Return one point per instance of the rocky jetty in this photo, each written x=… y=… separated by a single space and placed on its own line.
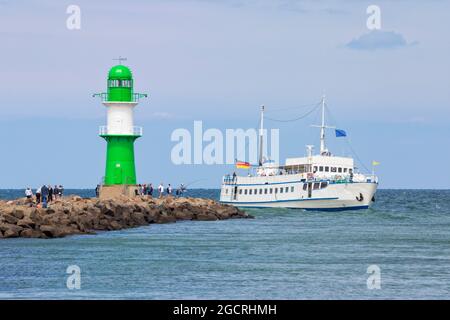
x=75 y=215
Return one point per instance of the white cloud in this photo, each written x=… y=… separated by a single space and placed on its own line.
x=376 y=39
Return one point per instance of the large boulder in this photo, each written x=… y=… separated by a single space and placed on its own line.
x=10 y=230
x=26 y=222
x=30 y=233
x=8 y=218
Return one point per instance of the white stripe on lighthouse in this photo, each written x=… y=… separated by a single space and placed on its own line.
x=119 y=117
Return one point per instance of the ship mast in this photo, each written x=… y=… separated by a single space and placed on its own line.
x=261 y=137
x=322 y=128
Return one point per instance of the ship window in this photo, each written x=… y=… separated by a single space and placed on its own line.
x=276 y=190
x=226 y=191
x=333 y=169
x=260 y=191
x=286 y=189
x=315 y=169
x=350 y=170
x=339 y=170
x=240 y=191
x=281 y=190
x=305 y=186
x=345 y=170
x=250 y=191
x=320 y=169
x=323 y=185
x=316 y=185
x=327 y=169
x=256 y=191
x=265 y=191
x=271 y=190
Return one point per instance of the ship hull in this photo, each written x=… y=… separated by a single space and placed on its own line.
x=335 y=197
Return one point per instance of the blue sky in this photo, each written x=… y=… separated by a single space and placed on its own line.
x=218 y=61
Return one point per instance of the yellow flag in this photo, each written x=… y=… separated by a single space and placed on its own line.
x=375 y=163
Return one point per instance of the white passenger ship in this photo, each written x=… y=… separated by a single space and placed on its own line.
x=314 y=182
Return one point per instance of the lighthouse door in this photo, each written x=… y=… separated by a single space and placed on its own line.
x=117 y=174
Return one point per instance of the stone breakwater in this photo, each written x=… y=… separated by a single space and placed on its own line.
x=74 y=215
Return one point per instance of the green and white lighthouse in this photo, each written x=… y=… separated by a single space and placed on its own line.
x=120 y=131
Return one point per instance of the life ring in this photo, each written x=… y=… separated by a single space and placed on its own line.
x=361 y=197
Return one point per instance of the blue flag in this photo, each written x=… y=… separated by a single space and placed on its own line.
x=340 y=133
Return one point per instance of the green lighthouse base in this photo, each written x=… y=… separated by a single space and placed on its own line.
x=120 y=167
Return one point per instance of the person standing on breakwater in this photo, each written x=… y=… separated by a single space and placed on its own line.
x=97 y=191
x=144 y=190
x=44 y=195
x=150 y=190
x=56 y=191
x=169 y=190
x=50 y=193
x=181 y=190
x=28 y=193
x=38 y=195
x=161 y=189
x=60 y=191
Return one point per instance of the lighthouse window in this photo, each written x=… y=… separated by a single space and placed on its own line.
x=321 y=169
x=327 y=169
x=339 y=170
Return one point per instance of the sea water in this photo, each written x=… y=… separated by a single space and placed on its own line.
x=281 y=254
